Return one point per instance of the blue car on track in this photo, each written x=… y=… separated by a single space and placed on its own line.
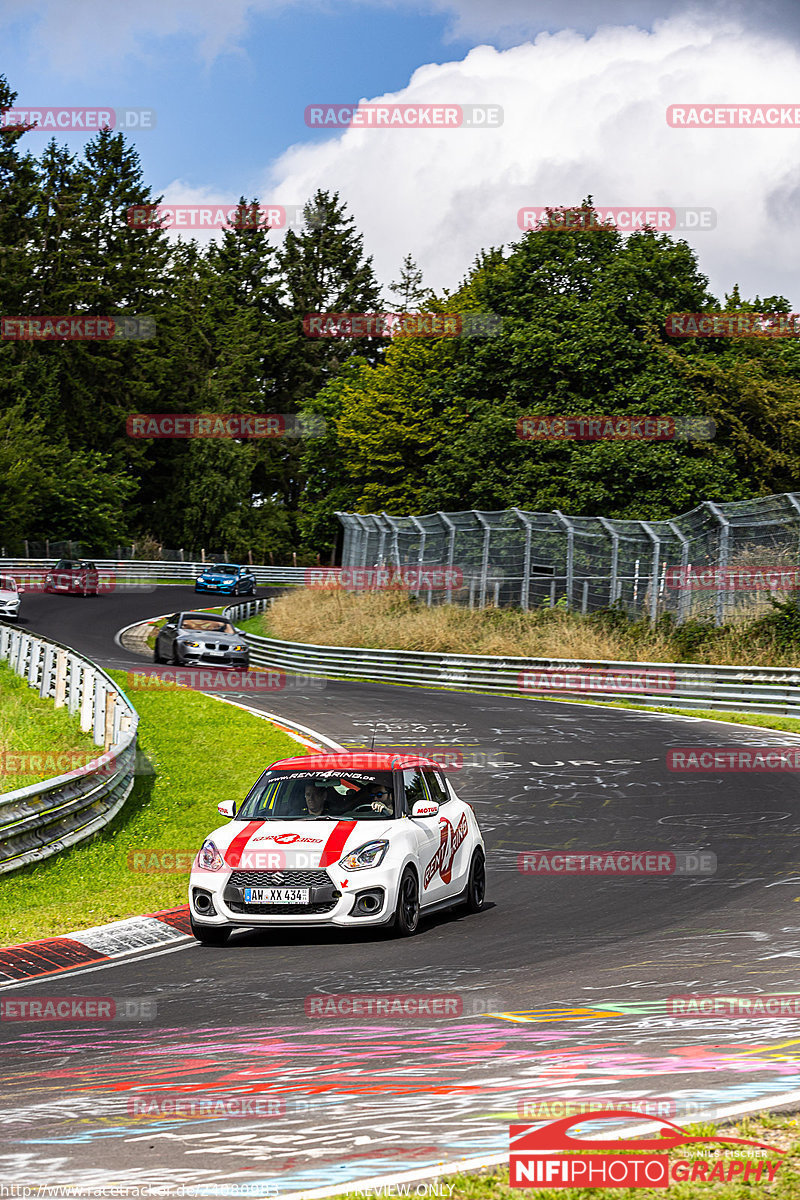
x=226 y=577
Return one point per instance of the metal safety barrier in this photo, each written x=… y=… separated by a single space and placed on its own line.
x=773 y=690
x=47 y=817
x=131 y=571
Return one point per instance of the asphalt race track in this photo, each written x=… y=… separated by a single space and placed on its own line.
x=564 y=979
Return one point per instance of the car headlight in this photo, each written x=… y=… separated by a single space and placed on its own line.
x=369 y=855
x=193 y=645
x=209 y=857
x=238 y=647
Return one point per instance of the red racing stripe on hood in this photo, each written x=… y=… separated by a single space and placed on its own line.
x=233 y=855
x=336 y=842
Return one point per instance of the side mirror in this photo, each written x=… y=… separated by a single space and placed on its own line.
x=20 y=590
x=227 y=808
x=425 y=808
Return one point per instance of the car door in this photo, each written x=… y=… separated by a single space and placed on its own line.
x=427 y=837
x=166 y=638
x=454 y=835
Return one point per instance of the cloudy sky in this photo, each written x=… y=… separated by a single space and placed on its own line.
x=584 y=86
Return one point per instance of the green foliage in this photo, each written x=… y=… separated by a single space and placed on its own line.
x=414 y=425
x=782 y=624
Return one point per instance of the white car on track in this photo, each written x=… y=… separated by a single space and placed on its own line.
x=346 y=839
x=9 y=598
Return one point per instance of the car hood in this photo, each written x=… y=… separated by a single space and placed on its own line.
x=7 y=594
x=208 y=635
x=311 y=844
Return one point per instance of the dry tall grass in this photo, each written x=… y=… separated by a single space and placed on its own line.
x=391 y=620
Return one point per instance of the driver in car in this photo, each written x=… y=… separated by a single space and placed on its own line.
x=378 y=797
x=324 y=801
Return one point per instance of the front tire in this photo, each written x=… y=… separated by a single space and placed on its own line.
x=156 y=656
x=476 y=884
x=210 y=935
x=406 y=917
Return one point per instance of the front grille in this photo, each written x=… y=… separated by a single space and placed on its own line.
x=280 y=879
x=276 y=910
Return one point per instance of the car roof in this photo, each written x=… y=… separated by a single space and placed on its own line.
x=359 y=760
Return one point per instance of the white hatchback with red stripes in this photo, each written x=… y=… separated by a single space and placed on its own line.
x=339 y=839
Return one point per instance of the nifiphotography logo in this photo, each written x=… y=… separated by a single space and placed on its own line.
x=549 y=1156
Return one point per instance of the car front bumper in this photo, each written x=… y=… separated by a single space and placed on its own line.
x=197 y=658
x=215 y=587
x=331 y=905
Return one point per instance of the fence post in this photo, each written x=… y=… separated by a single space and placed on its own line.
x=684 y=596
x=362 y=549
x=87 y=699
x=421 y=553
x=451 y=550
x=487 y=537
x=524 y=595
x=565 y=521
x=656 y=540
x=722 y=560
x=612 y=533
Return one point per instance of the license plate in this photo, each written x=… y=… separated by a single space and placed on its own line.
x=276 y=895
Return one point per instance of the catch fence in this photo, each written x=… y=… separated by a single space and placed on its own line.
x=717 y=562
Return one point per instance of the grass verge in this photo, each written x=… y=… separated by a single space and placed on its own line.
x=778 y=1130
x=31 y=726
x=396 y=620
x=202 y=751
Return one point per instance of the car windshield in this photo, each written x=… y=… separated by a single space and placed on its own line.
x=320 y=796
x=66 y=564
x=7 y=584
x=222 y=569
x=209 y=624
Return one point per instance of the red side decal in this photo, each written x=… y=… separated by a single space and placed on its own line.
x=233 y=855
x=336 y=842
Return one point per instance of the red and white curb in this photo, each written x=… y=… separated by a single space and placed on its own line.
x=86 y=947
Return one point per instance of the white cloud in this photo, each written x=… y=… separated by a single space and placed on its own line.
x=582 y=115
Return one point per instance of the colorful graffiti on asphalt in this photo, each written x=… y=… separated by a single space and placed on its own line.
x=424 y=1094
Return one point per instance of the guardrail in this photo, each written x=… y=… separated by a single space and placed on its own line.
x=773 y=690
x=42 y=819
x=133 y=569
